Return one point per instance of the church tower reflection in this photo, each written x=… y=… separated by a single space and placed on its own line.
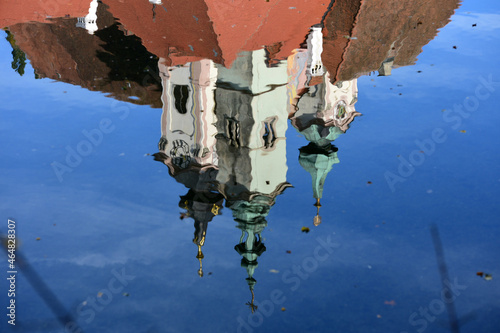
x=319 y=110
x=251 y=125
x=187 y=143
x=202 y=206
x=223 y=137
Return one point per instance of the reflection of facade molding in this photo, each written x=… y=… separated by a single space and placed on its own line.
x=89 y=22
x=327 y=104
x=314 y=99
x=188 y=134
x=251 y=124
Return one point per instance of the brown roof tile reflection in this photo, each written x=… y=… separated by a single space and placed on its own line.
x=243 y=25
x=63 y=52
x=178 y=30
x=358 y=35
x=361 y=35
x=184 y=31
x=16 y=11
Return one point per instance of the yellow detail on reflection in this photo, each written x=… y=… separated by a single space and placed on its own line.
x=317 y=218
x=251 y=304
x=202 y=241
x=200 y=256
x=215 y=209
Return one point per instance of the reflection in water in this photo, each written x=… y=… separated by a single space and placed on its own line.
x=319 y=110
x=226 y=100
x=359 y=37
x=223 y=136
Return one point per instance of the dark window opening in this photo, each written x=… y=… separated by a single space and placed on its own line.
x=233 y=131
x=269 y=135
x=181 y=95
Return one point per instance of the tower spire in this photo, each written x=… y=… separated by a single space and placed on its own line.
x=318 y=161
x=200 y=256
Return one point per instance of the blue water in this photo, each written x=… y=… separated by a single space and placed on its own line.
x=117 y=212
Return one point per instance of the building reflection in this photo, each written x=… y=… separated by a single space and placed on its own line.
x=251 y=125
x=230 y=83
x=223 y=137
x=319 y=110
x=187 y=144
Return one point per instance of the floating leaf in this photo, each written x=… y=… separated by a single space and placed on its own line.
x=480 y=274
x=38 y=238
x=463 y=131
x=283 y=309
x=305 y=229
x=288 y=251
x=488 y=277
